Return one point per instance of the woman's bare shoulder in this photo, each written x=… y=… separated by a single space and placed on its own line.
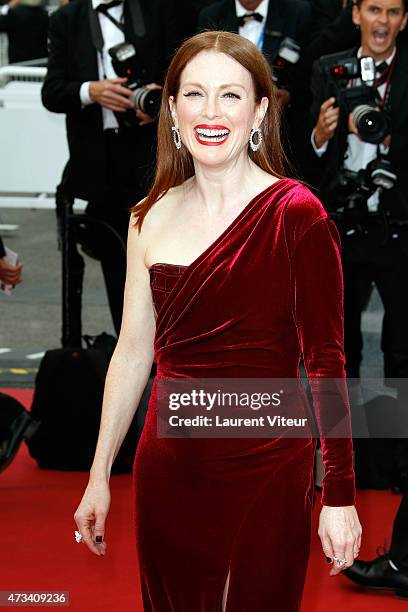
x=162 y=210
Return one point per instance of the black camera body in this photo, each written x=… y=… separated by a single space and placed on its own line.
x=353 y=189
x=287 y=57
x=126 y=64
x=372 y=123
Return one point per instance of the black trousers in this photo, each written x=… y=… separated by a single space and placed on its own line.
x=128 y=171
x=399 y=544
x=375 y=258
x=367 y=261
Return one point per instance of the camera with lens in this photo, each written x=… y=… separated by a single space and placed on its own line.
x=353 y=189
x=287 y=56
x=126 y=64
x=372 y=123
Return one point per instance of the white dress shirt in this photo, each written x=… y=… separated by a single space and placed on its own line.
x=112 y=36
x=252 y=30
x=359 y=153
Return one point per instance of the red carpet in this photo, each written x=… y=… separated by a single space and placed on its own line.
x=38 y=549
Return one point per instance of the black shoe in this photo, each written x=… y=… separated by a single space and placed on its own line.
x=378 y=574
x=16 y=425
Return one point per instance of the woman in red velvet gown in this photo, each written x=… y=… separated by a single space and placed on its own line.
x=233 y=272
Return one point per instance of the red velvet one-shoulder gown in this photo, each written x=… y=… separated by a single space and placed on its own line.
x=265 y=294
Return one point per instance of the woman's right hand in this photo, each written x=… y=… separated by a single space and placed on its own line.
x=91 y=514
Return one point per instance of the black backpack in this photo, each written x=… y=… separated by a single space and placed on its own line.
x=67 y=402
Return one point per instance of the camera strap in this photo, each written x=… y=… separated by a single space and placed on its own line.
x=385 y=78
x=102 y=8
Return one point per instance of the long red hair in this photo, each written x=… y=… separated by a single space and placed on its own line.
x=173 y=166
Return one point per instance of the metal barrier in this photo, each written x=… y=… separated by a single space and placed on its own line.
x=28 y=72
x=3 y=49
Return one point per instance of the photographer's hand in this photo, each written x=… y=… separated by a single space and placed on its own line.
x=326 y=123
x=145 y=119
x=11 y=275
x=111 y=94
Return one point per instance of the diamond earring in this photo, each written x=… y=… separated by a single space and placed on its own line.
x=255 y=145
x=176 y=137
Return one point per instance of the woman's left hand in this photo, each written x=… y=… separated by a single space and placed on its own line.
x=340 y=533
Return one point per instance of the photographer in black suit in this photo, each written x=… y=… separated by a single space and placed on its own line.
x=355 y=151
x=111 y=142
x=25 y=22
x=266 y=23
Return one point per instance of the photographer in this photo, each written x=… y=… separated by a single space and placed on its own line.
x=103 y=87
x=268 y=25
x=25 y=22
x=372 y=221
x=360 y=112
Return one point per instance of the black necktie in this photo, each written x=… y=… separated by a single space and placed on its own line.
x=105 y=6
x=381 y=67
x=243 y=19
x=382 y=72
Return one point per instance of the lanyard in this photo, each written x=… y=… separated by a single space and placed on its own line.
x=385 y=98
x=261 y=38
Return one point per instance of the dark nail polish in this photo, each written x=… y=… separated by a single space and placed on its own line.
x=99 y=539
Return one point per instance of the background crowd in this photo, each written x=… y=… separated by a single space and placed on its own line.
x=354 y=161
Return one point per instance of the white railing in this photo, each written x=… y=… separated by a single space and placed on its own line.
x=33 y=146
x=15 y=72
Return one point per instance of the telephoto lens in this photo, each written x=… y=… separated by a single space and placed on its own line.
x=372 y=124
x=147 y=100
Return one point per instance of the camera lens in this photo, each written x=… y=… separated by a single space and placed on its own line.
x=147 y=100
x=371 y=124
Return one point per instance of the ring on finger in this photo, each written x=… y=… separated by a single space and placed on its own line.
x=339 y=562
x=78 y=537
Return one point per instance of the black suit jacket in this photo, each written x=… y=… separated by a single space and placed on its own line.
x=187 y=15
x=26 y=27
x=284 y=18
x=150 y=26
x=396 y=199
x=322 y=14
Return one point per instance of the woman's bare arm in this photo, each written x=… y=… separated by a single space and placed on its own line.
x=131 y=362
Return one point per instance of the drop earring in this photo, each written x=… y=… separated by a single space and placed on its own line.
x=255 y=145
x=176 y=137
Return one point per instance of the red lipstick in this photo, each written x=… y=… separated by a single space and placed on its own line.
x=211 y=135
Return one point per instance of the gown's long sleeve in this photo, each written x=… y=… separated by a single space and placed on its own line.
x=317 y=286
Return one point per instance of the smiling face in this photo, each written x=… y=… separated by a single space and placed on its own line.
x=380 y=22
x=215 y=108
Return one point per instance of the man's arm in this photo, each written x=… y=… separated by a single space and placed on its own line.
x=324 y=115
x=59 y=94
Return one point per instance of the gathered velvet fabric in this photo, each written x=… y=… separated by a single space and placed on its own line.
x=264 y=295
